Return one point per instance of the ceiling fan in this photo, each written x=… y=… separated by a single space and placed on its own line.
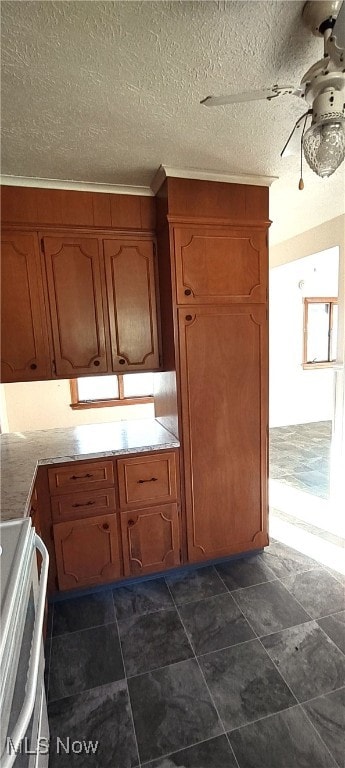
x=322 y=88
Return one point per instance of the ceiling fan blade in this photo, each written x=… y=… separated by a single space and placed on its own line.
x=293 y=144
x=339 y=27
x=264 y=93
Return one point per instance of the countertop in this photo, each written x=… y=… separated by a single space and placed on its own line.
x=23 y=452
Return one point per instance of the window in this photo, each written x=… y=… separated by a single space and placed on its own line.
x=320 y=332
x=105 y=391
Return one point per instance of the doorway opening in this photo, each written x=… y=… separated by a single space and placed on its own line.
x=303 y=511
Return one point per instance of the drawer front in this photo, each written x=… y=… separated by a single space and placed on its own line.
x=147 y=479
x=69 y=506
x=81 y=476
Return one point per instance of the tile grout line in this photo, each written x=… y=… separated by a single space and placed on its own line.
x=279 y=673
x=319 y=696
x=84 y=629
x=299 y=703
x=181 y=749
x=330 y=639
x=202 y=674
x=126 y=680
x=311 y=618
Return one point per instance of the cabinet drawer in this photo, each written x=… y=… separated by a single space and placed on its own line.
x=83 y=504
x=81 y=476
x=147 y=479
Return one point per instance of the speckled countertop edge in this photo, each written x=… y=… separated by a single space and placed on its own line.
x=23 y=453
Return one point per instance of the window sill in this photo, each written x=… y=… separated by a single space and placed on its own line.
x=110 y=403
x=312 y=366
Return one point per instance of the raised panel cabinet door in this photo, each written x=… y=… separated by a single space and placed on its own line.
x=223 y=358
x=130 y=279
x=87 y=551
x=76 y=305
x=150 y=539
x=24 y=343
x=218 y=265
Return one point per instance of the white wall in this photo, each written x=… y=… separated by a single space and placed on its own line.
x=296 y=395
x=46 y=404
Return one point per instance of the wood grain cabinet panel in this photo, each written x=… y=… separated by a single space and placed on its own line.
x=80 y=476
x=76 y=303
x=24 y=342
x=68 y=506
x=130 y=280
x=219 y=265
x=223 y=357
x=150 y=539
x=87 y=551
x=147 y=479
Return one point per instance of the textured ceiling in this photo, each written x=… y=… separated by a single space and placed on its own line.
x=107 y=91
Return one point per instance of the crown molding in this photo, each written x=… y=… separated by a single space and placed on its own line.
x=192 y=173
x=77 y=186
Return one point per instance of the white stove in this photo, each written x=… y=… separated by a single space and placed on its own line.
x=24 y=733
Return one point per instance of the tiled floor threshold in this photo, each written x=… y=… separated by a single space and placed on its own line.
x=300 y=456
x=241 y=665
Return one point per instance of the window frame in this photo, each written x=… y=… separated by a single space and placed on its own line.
x=79 y=405
x=332 y=301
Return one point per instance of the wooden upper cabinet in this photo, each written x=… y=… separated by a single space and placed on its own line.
x=130 y=281
x=76 y=299
x=223 y=362
x=219 y=265
x=24 y=343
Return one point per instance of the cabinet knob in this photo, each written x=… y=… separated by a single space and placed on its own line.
x=96 y=362
x=130 y=523
x=122 y=361
x=187 y=292
x=106 y=526
x=189 y=317
x=33 y=366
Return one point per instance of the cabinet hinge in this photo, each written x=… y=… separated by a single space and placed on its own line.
x=154 y=249
x=53 y=366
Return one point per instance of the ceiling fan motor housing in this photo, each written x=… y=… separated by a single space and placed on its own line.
x=328 y=106
x=319 y=15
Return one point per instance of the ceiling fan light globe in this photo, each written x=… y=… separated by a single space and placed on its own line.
x=324 y=147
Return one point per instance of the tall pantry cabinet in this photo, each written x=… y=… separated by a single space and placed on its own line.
x=212 y=245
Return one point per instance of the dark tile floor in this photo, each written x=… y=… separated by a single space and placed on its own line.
x=236 y=666
x=299 y=456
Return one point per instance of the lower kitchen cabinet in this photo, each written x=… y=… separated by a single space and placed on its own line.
x=150 y=539
x=87 y=551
